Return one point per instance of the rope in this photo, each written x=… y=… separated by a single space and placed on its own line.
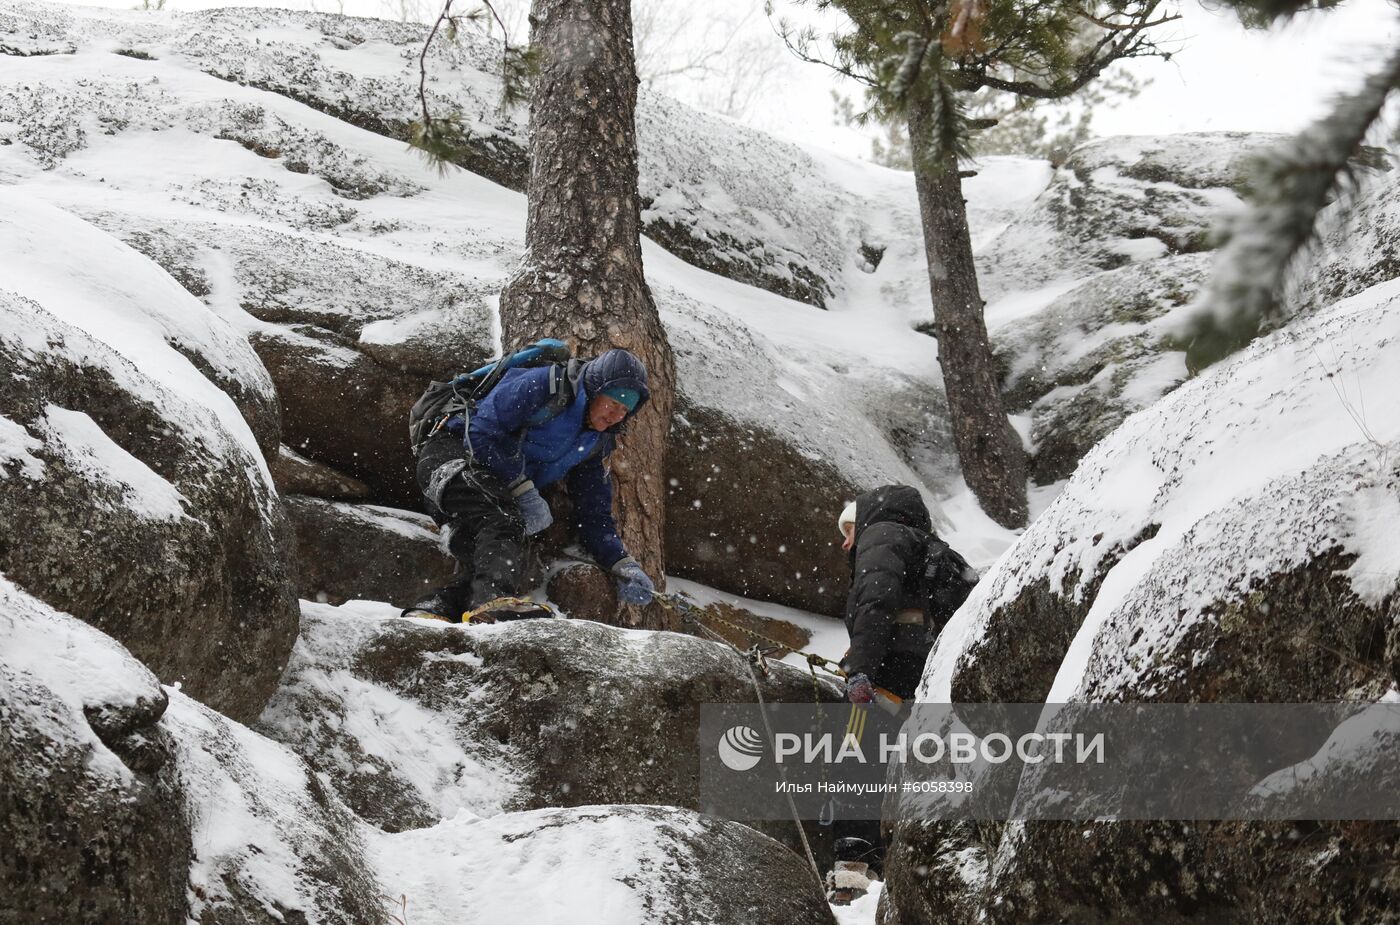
x=755 y=656
x=773 y=739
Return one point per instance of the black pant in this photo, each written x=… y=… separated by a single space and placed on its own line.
x=899 y=674
x=486 y=534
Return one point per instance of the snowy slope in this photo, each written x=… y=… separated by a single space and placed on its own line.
x=339 y=242
x=115 y=296
x=720 y=194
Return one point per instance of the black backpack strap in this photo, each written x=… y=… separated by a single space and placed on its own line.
x=562 y=390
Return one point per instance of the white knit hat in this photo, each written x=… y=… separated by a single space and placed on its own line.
x=848 y=516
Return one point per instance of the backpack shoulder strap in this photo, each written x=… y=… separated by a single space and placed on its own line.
x=561 y=395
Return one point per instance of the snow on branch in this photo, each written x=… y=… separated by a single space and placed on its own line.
x=1290 y=186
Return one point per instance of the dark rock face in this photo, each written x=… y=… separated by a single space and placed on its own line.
x=933 y=868
x=80 y=846
x=585 y=592
x=721 y=530
x=1300 y=636
x=734 y=860
x=1016 y=658
x=342 y=408
x=365 y=552
x=296 y=475
x=197 y=586
x=89 y=810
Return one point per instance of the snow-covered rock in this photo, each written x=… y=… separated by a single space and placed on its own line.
x=123 y=801
x=1233 y=542
x=613 y=865
x=1358 y=248
x=91 y=831
x=270 y=843
x=133 y=491
x=1086 y=285
x=1095 y=355
x=364 y=551
x=1179 y=532
x=411 y=719
x=1118 y=201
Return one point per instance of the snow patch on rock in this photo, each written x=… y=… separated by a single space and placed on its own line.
x=17 y=448
x=86 y=670
x=91 y=453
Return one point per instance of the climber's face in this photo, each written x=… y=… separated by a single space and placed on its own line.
x=605 y=412
x=849 y=529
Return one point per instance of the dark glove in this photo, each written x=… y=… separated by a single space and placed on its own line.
x=633 y=585
x=859 y=689
x=535 y=510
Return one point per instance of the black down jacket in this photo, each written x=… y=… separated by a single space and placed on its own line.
x=893 y=530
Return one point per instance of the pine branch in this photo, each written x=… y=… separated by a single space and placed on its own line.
x=1124 y=26
x=799 y=43
x=441 y=138
x=1291 y=185
x=433 y=137
x=1259 y=13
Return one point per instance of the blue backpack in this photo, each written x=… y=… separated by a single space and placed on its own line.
x=442 y=400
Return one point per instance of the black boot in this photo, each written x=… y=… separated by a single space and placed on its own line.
x=444 y=606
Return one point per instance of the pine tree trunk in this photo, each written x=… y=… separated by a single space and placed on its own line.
x=993 y=459
x=582 y=279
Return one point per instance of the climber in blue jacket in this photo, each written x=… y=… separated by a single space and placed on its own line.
x=482 y=473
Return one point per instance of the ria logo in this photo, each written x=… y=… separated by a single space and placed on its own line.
x=740 y=748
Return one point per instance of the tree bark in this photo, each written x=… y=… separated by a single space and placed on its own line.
x=582 y=278
x=993 y=459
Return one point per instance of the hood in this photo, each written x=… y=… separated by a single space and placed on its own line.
x=900 y=504
x=617 y=368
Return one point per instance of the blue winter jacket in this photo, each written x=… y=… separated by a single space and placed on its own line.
x=512 y=434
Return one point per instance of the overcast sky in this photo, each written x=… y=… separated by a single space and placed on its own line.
x=1221 y=77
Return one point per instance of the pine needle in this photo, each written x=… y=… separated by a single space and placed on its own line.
x=1291 y=184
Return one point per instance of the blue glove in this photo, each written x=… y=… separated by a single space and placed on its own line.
x=859 y=689
x=535 y=510
x=633 y=585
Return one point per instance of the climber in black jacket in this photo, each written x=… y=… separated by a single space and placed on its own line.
x=888 y=533
x=889 y=538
